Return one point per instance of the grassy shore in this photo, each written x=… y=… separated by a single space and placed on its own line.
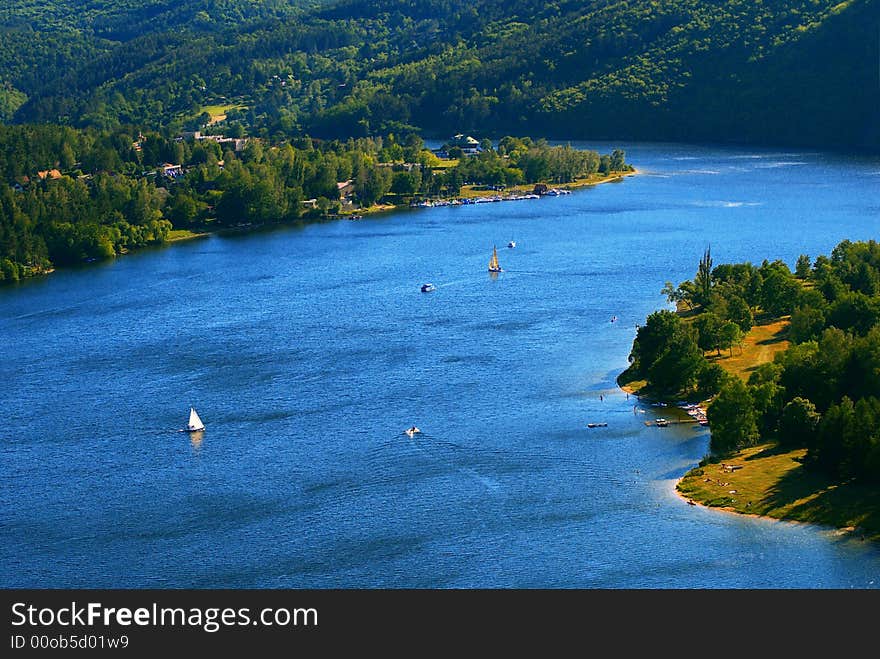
x=176 y=235
x=767 y=481
x=770 y=481
x=474 y=191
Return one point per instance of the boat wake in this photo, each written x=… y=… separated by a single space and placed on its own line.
x=488 y=483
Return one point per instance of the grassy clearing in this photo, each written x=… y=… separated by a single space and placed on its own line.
x=219 y=111
x=445 y=163
x=760 y=346
x=772 y=482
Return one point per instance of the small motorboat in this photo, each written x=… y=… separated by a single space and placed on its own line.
x=427 y=288
x=412 y=431
x=661 y=422
x=511 y=244
x=597 y=425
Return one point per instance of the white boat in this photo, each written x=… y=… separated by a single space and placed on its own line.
x=493 y=262
x=412 y=431
x=427 y=288
x=511 y=244
x=195 y=423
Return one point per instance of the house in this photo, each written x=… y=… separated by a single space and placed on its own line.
x=237 y=144
x=172 y=171
x=346 y=188
x=470 y=146
x=400 y=166
x=49 y=175
x=310 y=203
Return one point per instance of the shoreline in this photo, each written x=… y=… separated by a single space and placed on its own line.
x=839 y=531
x=184 y=235
x=770 y=481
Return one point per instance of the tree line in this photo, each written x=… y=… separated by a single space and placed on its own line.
x=68 y=195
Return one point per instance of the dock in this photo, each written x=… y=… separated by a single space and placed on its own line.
x=672 y=421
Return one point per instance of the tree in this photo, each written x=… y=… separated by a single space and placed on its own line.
x=709 y=331
x=680 y=361
x=675 y=295
x=372 y=184
x=732 y=418
x=798 y=422
x=710 y=379
x=827 y=453
x=651 y=338
x=405 y=183
x=855 y=311
x=806 y=324
x=739 y=312
x=779 y=292
x=703 y=280
x=802 y=267
x=768 y=396
x=729 y=335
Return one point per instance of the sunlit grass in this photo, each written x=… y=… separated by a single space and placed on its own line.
x=773 y=482
x=761 y=344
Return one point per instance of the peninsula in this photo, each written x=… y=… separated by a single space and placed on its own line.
x=787 y=364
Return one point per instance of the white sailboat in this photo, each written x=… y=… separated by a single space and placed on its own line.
x=195 y=423
x=493 y=263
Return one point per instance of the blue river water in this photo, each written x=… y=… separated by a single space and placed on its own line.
x=308 y=351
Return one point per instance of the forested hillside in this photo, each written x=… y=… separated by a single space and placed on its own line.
x=790 y=71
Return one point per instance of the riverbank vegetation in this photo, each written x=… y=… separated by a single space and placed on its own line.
x=808 y=396
x=69 y=195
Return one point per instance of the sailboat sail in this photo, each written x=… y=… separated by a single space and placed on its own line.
x=493 y=262
x=195 y=423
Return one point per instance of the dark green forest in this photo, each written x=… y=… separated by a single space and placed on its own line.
x=820 y=393
x=790 y=71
